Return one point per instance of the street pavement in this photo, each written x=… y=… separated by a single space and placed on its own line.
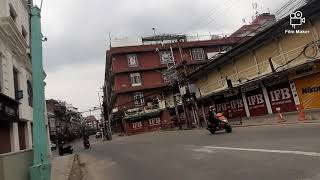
x=284 y=151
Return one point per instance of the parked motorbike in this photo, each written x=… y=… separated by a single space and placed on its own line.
x=86 y=144
x=65 y=150
x=223 y=122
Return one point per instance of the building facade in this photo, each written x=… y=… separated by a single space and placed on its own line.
x=138 y=92
x=277 y=70
x=15 y=77
x=64 y=120
x=91 y=122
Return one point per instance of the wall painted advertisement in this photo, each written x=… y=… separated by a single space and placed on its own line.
x=308 y=89
x=231 y=106
x=280 y=95
x=256 y=102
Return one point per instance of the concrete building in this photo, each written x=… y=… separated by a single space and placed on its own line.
x=15 y=77
x=275 y=70
x=64 y=120
x=91 y=122
x=137 y=94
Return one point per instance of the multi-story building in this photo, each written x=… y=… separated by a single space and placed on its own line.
x=136 y=77
x=92 y=122
x=64 y=120
x=15 y=77
x=275 y=71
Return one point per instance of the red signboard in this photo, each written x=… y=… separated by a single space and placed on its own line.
x=256 y=102
x=280 y=95
x=231 y=106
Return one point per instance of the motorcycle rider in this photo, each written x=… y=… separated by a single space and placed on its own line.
x=212 y=117
x=85 y=139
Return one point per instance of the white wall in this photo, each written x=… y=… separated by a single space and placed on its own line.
x=20 y=6
x=4 y=8
x=9 y=61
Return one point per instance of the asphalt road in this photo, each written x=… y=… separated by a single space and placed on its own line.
x=286 y=152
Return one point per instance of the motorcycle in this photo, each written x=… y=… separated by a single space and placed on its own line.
x=223 y=122
x=86 y=144
x=64 y=150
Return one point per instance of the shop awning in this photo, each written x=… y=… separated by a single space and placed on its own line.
x=141 y=116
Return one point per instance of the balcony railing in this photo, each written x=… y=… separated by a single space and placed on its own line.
x=285 y=61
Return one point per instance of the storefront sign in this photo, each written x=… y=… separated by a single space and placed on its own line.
x=256 y=102
x=280 y=96
x=154 y=121
x=231 y=106
x=305 y=71
x=308 y=88
x=137 y=125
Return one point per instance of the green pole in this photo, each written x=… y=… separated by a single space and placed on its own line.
x=41 y=169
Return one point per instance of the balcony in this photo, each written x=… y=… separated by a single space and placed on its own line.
x=283 y=62
x=129 y=88
x=138 y=68
x=14 y=37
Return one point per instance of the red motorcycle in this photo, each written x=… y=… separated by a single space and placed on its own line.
x=223 y=123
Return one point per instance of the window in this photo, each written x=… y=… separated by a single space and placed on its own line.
x=137 y=125
x=135 y=79
x=24 y=33
x=165 y=56
x=13 y=13
x=132 y=60
x=30 y=93
x=138 y=99
x=16 y=81
x=198 y=54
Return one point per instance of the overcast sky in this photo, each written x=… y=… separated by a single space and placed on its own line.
x=77 y=32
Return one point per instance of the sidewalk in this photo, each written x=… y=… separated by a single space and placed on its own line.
x=290 y=118
x=61 y=167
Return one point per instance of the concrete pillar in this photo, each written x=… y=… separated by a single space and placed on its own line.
x=245 y=104
x=48 y=137
x=28 y=135
x=14 y=137
x=266 y=98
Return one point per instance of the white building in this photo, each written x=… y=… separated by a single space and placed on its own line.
x=15 y=77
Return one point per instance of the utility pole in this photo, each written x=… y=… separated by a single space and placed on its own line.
x=41 y=169
x=102 y=118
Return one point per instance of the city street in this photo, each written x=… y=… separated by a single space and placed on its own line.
x=266 y=152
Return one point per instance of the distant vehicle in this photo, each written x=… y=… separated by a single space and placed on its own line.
x=64 y=150
x=98 y=135
x=53 y=146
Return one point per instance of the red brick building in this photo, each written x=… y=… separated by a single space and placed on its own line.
x=135 y=79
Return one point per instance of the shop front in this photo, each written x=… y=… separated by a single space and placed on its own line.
x=308 y=90
x=280 y=96
x=8 y=115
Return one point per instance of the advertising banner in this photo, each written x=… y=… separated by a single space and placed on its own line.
x=308 y=88
x=256 y=102
x=230 y=106
x=280 y=95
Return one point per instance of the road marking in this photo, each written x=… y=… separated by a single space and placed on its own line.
x=266 y=150
x=206 y=150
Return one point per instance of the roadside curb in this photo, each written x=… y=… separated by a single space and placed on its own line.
x=270 y=124
x=61 y=170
